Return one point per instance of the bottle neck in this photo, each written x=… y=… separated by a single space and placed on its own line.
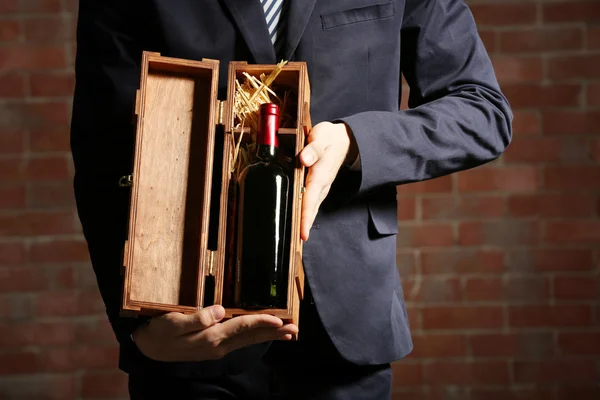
x=266 y=152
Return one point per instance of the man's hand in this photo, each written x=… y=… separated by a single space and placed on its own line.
x=200 y=336
x=329 y=146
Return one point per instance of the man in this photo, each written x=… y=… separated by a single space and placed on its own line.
x=354 y=321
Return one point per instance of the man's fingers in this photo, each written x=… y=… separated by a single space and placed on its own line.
x=245 y=323
x=200 y=320
x=259 y=335
x=318 y=183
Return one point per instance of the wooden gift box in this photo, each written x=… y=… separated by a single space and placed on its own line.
x=174 y=258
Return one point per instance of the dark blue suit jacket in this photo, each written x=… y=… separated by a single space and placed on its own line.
x=356 y=51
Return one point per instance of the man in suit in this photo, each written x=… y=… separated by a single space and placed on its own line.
x=354 y=321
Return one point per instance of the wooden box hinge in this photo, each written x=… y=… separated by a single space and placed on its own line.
x=221 y=107
x=210 y=261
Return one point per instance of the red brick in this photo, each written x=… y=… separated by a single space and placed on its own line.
x=18 y=362
x=47 y=387
x=438 y=346
x=508 y=289
x=574 y=67
x=512 y=345
x=504 y=14
x=32 y=57
x=579 y=343
x=593 y=37
x=563 y=315
x=461 y=261
x=56 y=304
x=542 y=96
x=477 y=289
x=555 y=371
x=12 y=197
x=21 y=280
x=56 y=360
x=593 y=94
x=571 y=122
x=89 y=302
x=12 y=254
x=541 y=40
x=399 y=393
x=518 y=69
x=97 y=331
x=36 y=334
x=9 y=30
x=52 y=84
x=51 y=195
x=15 y=306
x=37 y=223
x=503 y=233
x=425 y=235
x=407 y=208
x=561 y=260
x=461 y=317
x=59 y=251
x=512 y=394
x=11 y=142
x=52 y=168
x=505 y=179
x=467 y=373
x=552 y=205
x=104 y=384
x=414 y=316
x=49 y=140
x=12 y=86
x=71 y=6
x=589 y=392
x=526 y=123
x=551 y=260
x=571 y=11
x=576 y=287
x=489 y=39
x=30 y=6
x=437 y=185
x=571 y=178
x=450 y=207
x=406 y=262
x=580 y=232
x=64 y=277
x=432 y=289
x=35 y=115
x=96 y=357
x=407 y=374
x=54 y=28
x=547 y=150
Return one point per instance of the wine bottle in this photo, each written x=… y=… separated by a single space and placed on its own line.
x=262 y=220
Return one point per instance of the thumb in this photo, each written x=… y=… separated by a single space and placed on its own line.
x=309 y=155
x=202 y=319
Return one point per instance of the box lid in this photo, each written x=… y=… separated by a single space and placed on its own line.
x=177 y=113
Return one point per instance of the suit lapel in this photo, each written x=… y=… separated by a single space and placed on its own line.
x=250 y=19
x=297 y=19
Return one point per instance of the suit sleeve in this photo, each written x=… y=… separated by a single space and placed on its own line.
x=457 y=118
x=107 y=75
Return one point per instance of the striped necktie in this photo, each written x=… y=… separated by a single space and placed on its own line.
x=273 y=13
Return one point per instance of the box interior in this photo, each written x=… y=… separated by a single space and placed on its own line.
x=288 y=79
x=169 y=247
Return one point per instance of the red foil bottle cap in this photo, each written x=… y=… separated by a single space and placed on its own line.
x=268 y=125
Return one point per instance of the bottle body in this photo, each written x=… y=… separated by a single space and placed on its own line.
x=262 y=222
x=262 y=213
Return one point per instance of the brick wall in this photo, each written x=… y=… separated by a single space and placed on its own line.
x=500 y=263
